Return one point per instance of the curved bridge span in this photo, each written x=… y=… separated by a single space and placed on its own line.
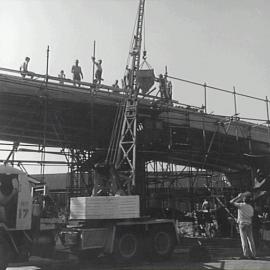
x=51 y=114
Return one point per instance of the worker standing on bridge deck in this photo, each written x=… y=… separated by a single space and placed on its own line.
x=24 y=68
x=77 y=73
x=165 y=88
x=162 y=85
x=61 y=77
x=244 y=220
x=169 y=90
x=98 y=73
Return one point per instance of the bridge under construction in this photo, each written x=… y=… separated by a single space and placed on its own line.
x=139 y=163
x=42 y=112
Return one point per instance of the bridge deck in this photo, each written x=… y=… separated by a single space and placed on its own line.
x=67 y=116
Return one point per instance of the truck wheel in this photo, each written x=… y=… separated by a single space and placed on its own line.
x=127 y=247
x=161 y=243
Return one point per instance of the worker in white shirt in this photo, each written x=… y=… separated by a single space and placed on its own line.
x=98 y=73
x=24 y=68
x=244 y=220
x=77 y=73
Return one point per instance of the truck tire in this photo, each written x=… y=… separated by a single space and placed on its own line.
x=127 y=247
x=161 y=243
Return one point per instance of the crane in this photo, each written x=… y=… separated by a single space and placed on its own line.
x=114 y=224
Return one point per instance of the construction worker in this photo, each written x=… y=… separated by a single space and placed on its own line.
x=244 y=220
x=77 y=73
x=162 y=85
x=169 y=90
x=165 y=88
x=24 y=68
x=62 y=77
x=98 y=73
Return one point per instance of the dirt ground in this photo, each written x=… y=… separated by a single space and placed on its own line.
x=226 y=258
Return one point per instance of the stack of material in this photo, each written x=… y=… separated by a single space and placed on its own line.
x=105 y=207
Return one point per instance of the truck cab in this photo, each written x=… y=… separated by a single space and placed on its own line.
x=22 y=230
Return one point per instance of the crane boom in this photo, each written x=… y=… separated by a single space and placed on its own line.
x=126 y=157
x=137 y=43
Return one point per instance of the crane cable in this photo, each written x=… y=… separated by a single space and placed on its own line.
x=113 y=137
x=114 y=141
x=144 y=51
x=144 y=48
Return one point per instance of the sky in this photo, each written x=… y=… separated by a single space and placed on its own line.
x=224 y=43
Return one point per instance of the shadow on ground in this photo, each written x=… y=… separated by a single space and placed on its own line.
x=226 y=258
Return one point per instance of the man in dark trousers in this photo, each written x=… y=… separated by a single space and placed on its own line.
x=244 y=220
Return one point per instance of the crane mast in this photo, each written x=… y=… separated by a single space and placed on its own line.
x=126 y=157
x=137 y=42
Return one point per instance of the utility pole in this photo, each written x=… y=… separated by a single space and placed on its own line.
x=47 y=65
x=94 y=57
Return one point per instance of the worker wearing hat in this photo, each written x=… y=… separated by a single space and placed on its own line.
x=244 y=220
